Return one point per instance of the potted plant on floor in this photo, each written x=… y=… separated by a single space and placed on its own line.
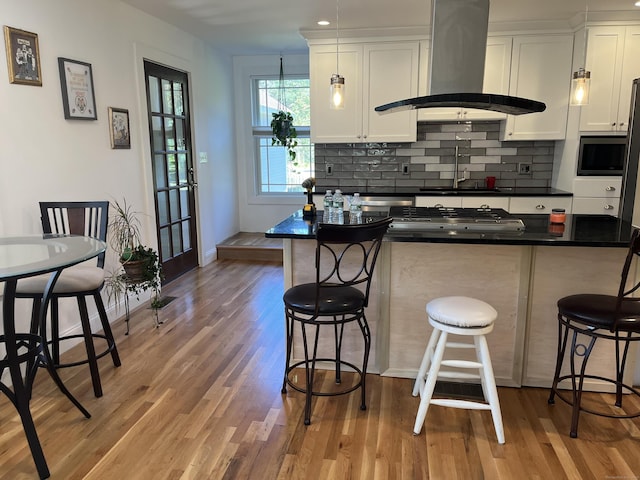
x=139 y=268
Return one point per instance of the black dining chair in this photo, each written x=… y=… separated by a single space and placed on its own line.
x=345 y=258
x=79 y=282
x=585 y=318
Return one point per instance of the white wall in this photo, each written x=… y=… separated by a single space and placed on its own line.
x=45 y=157
x=259 y=212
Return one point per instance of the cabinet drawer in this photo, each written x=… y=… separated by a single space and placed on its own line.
x=593 y=206
x=538 y=204
x=489 y=201
x=597 y=187
x=444 y=201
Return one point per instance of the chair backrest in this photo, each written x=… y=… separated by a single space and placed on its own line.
x=626 y=289
x=346 y=254
x=76 y=218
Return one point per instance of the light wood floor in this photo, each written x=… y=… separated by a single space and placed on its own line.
x=199 y=398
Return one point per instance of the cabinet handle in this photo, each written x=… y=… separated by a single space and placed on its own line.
x=485 y=205
x=510 y=133
x=540 y=207
x=610 y=189
x=613 y=124
x=438 y=205
x=622 y=124
x=608 y=207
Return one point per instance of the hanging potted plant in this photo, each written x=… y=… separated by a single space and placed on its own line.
x=140 y=268
x=284 y=133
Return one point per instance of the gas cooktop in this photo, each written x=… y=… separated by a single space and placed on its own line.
x=454 y=219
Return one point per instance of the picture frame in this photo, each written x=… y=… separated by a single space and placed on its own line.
x=119 y=130
x=78 y=94
x=23 y=56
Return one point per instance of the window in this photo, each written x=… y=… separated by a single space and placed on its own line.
x=276 y=173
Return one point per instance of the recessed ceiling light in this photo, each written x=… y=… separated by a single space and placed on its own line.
x=637 y=4
x=324 y=23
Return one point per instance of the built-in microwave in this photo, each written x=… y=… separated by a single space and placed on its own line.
x=601 y=155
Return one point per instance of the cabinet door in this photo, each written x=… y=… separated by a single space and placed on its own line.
x=630 y=71
x=335 y=126
x=604 y=61
x=540 y=69
x=496 y=80
x=390 y=74
x=596 y=206
x=497 y=70
x=439 y=201
x=538 y=204
x=488 y=201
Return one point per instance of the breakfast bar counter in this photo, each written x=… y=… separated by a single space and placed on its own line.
x=522 y=274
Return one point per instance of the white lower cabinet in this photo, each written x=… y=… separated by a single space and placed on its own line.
x=439 y=201
x=599 y=195
x=486 y=202
x=539 y=204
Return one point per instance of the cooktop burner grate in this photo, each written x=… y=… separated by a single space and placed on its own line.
x=456 y=219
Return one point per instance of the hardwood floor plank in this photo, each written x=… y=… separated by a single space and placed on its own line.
x=199 y=398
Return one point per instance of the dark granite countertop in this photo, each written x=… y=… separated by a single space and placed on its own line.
x=499 y=192
x=578 y=230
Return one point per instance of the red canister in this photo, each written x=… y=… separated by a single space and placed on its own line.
x=557 y=215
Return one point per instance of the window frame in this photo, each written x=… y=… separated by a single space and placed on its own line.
x=246 y=69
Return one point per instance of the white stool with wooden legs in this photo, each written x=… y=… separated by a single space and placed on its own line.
x=462 y=316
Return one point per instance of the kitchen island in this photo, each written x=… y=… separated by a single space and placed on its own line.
x=522 y=274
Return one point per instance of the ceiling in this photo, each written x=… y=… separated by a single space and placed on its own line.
x=261 y=26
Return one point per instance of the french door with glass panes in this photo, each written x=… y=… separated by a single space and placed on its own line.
x=173 y=174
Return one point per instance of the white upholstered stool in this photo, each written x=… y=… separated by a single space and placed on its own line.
x=459 y=316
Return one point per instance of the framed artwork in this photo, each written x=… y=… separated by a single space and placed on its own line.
x=78 y=97
x=119 y=128
x=23 y=57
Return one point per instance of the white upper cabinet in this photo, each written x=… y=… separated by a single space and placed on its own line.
x=612 y=59
x=375 y=74
x=540 y=70
x=496 y=80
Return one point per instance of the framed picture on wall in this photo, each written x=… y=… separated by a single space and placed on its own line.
x=119 y=128
x=23 y=56
x=78 y=97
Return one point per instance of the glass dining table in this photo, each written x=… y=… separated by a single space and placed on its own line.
x=27 y=256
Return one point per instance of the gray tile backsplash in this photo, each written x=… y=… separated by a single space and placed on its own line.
x=371 y=167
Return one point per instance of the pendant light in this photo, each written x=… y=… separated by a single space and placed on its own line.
x=337 y=81
x=581 y=80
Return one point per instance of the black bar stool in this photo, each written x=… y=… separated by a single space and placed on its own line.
x=589 y=317
x=344 y=261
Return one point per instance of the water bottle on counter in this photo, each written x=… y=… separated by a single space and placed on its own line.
x=355 y=209
x=327 y=207
x=337 y=214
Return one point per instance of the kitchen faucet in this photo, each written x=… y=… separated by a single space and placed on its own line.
x=465 y=173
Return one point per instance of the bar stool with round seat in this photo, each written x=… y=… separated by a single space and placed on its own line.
x=589 y=317
x=462 y=316
x=344 y=263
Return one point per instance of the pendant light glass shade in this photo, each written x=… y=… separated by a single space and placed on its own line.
x=580 y=84
x=337 y=92
x=581 y=80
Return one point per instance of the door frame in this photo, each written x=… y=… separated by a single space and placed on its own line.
x=142 y=53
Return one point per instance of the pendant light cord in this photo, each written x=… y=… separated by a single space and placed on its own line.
x=337 y=37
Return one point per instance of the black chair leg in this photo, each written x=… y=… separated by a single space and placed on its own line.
x=563 y=335
x=88 y=342
x=289 y=340
x=104 y=320
x=366 y=333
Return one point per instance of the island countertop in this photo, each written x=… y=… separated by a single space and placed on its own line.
x=577 y=231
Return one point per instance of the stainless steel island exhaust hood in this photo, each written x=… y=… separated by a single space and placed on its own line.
x=458 y=49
